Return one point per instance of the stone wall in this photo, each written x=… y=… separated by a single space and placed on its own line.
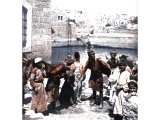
x=41 y=29
x=61 y=27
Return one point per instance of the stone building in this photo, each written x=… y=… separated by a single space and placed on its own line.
x=69 y=23
x=63 y=25
x=36 y=28
x=115 y=21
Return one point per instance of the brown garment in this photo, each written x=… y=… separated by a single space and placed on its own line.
x=52 y=87
x=38 y=98
x=52 y=95
x=97 y=68
x=38 y=103
x=96 y=85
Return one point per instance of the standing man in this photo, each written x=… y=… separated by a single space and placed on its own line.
x=38 y=103
x=77 y=70
x=129 y=63
x=113 y=62
x=97 y=67
x=121 y=90
x=67 y=91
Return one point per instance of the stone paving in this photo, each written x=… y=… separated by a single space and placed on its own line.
x=80 y=112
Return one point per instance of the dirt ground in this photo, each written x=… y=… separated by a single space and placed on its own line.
x=82 y=111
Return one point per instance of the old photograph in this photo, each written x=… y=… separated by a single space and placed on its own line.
x=80 y=59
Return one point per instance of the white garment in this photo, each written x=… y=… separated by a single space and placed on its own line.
x=114 y=75
x=134 y=99
x=77 y=67
x=38 y=73
x=123 y=80
x=78 y=81
x=119 y=103
x=113 y=79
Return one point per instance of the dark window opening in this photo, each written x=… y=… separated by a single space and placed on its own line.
x=24 y=26
x=60 y=17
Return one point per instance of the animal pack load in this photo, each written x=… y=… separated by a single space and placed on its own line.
x=104 y=67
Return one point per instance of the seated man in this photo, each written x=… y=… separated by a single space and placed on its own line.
x=130 y=106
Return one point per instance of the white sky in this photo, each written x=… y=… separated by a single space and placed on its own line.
x=129 y=7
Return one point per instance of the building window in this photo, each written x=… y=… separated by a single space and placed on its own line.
x=60 y=17
x=24 y=26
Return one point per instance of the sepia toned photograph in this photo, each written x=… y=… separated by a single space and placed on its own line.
x=80 y=59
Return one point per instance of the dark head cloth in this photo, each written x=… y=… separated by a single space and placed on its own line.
x=69 y=59
x=76 y=54
x=91 y=52
x=123 y=57
x=133 y=82
x=113 y=52
x=122 y=64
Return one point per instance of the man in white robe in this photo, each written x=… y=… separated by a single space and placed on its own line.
x=121 y=89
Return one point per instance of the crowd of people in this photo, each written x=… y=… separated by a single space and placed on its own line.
x=123 y=82
x=122 y=75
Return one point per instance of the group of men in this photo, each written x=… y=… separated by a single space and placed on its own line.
x=122 y=76
x=123 y=83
